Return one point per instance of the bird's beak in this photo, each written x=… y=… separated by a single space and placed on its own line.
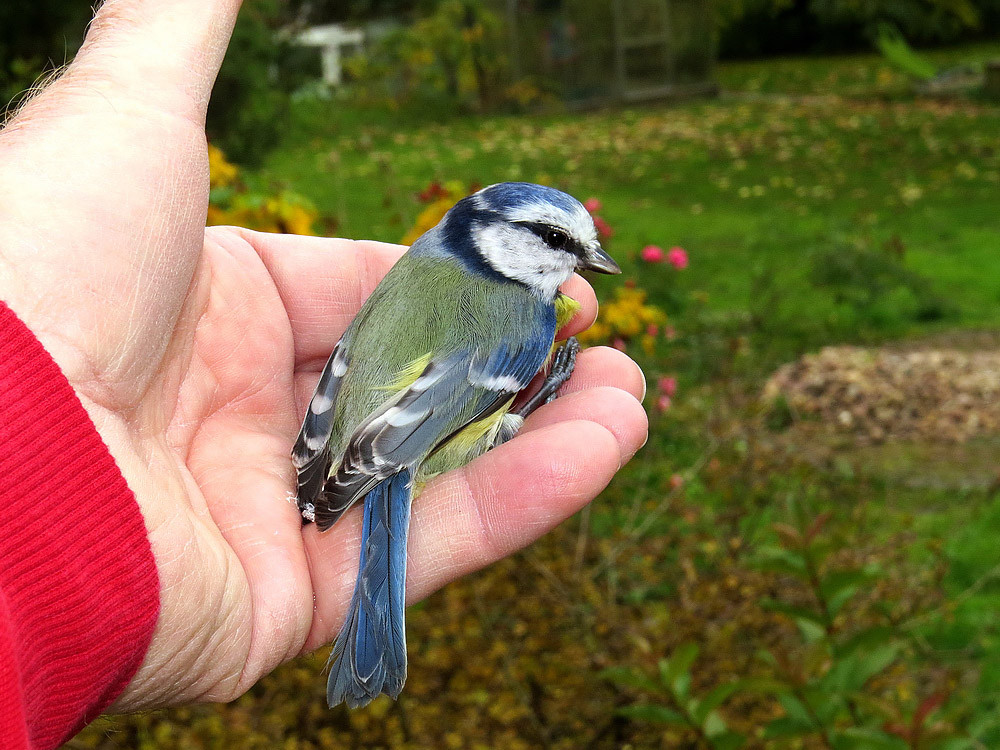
x=598 y=260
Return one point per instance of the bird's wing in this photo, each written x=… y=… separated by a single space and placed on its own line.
x=451 y=392
x=311 y=454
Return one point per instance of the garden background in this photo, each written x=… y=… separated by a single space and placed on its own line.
x=805 y=553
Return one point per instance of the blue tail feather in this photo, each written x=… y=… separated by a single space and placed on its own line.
x=369 y=655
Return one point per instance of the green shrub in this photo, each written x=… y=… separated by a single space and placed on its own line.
x=250 y=107
x=450 y=59
x=769 y=27
x=876 y=287
x=35 y=38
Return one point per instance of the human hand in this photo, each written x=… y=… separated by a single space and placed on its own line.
x=195 y=351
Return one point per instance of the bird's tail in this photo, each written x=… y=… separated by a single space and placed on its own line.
x=369 y=655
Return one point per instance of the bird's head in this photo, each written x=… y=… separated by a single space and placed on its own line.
x=528 y=233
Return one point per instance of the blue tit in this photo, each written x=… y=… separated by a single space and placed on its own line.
x=423 y=381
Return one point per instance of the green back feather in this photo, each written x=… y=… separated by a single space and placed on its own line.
x=423 y=308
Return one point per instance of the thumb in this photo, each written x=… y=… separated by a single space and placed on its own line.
x=165 y=53
x=105 y=181
x=151 y=56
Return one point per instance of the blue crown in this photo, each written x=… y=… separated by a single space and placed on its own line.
x=507 y=195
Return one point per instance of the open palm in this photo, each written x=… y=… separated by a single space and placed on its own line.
x=194 y=351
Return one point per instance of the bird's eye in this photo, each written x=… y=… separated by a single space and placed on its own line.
x=556 y=239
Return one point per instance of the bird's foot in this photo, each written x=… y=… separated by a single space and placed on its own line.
x=562 y=367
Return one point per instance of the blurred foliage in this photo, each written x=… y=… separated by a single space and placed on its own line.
x=326 y=11
x=834 y=682
x=678 y=708
x=36 y=38
x=751 y=28
x=250 y=106
x=861 y=292
x=450 y=59
x=232 y=202
x=897 y=51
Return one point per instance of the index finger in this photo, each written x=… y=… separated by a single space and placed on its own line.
x=323 y=282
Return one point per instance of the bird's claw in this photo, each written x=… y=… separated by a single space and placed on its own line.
x=563 y=364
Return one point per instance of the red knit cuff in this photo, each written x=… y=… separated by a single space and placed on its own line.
x=79 y=593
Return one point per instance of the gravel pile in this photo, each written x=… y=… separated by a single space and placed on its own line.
x=878 y=394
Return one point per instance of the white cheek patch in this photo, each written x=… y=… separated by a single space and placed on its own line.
x=520 y=255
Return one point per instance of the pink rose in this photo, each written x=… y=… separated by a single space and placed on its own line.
x=603 y=228
x=668 y=385
x=677 y=257
x=663 y=402
x=592 y=205
x=652 y=254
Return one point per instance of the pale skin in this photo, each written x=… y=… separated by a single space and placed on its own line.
x=195 y=351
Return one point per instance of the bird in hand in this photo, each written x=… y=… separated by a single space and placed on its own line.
x=434 y=371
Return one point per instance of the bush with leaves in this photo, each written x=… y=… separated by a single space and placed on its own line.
x=835 y=688
x=676 y=705
x=452 y=58
x=232 y=202
x=770 y=27
x=36 y=38
x=250 y=107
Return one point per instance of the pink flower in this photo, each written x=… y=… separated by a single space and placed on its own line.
x=652 y=254
x=592 y=205
x=663 y=402
x=676 y=481
x=677 y=257
x=603 y=228
x=668 y=385
x=669 y=333
x=652 y=329
x=619 y=344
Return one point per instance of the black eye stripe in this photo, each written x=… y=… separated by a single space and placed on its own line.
x=546 y=232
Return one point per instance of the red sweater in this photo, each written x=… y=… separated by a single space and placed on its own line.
x=79 y=594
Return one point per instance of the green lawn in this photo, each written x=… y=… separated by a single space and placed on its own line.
x=854 y=588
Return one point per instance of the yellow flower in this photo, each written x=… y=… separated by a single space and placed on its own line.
x=427 y=219
x=454 y=191
x=222 y=173
x=290 y=214
x=626 y=316
x=299 y=220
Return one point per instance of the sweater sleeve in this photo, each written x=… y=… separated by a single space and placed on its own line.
x=79 y=593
